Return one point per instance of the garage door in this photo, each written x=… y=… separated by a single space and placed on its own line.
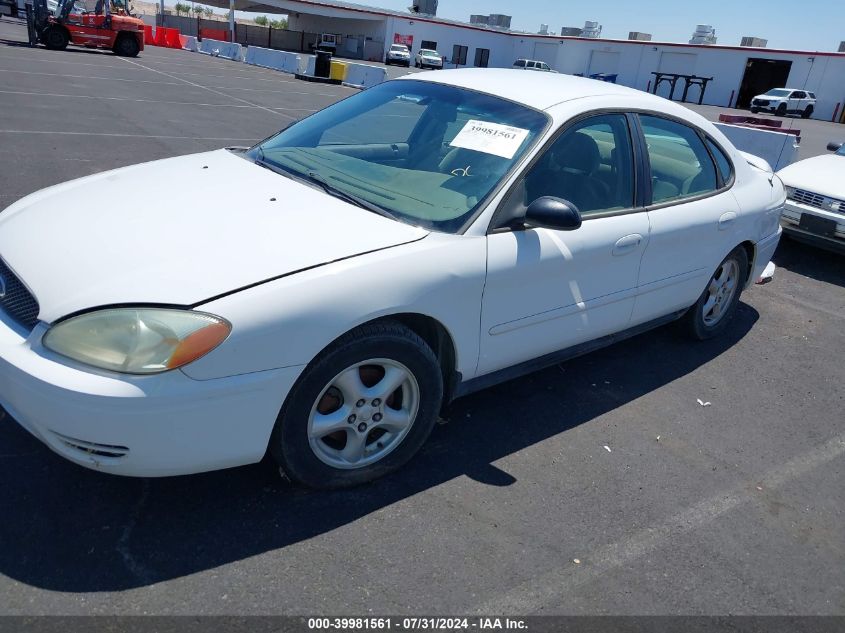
x=546 y=53
x=604 y=62
x=678 y=63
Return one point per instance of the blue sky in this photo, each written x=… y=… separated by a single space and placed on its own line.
x=786 y=24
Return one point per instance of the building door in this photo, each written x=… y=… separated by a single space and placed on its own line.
x=761 y=75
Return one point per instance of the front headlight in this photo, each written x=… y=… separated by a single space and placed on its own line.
x=790 y=192
x=138 y=340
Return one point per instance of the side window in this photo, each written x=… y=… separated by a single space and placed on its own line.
x=520 y=63
x=544 y=66
x=798 y=94
x=812 y=95
x=722 y=161
x=591 y=165
x=680 y=164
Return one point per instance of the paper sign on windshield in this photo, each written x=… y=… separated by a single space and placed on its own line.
x=490 y=138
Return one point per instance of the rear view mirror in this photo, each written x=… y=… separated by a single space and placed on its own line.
x=833 y=146
x=553 y=213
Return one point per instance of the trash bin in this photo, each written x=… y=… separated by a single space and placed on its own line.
x=322 y=64
x=339 y=70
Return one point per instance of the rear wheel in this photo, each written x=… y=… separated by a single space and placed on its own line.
x=56 y=38
x=361 y=409
x=717 y=304
x=126 y=46
x=807 y=113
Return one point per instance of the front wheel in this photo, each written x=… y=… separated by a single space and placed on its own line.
x=56 y=39
x=126 y=46
x=754 y=110
x=717 y=304
x=781 y=110
x=360 y=410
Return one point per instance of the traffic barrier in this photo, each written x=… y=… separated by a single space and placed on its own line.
x=269 y=58
x=338 y=71
x=188 y=42
x=171 y=38
x=227 y=50
x=160 y=36
x=149 y=38
x=776 y=147
x=363 y=76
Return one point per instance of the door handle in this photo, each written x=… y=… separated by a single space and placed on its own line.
x=726 y=220
x=627 y=244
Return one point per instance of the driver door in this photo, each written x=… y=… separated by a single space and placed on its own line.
x=548 y=289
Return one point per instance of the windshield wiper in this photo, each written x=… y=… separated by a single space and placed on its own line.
x=330 y=189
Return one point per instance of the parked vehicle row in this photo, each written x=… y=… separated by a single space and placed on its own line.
x=410 y=244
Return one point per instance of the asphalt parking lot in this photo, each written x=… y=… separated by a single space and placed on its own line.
x=671 y=507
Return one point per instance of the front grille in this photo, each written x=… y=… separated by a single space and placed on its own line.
x=809 y=198
x=16 y=300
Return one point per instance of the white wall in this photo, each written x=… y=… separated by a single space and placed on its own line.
x=345 y=27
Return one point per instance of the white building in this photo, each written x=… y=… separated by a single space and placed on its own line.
x=738 y=73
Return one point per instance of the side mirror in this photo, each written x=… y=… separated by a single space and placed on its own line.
x=553 y=213
x=833 y=146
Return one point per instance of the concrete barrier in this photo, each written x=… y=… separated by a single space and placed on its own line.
x=776 y=148
x=217 y=48
x=269 y=58
x=188 y=42
x=363 y=76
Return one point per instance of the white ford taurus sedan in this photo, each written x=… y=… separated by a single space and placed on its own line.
x=321 y=295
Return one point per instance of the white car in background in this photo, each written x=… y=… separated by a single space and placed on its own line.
x=532 y=64
x=783 y=101
x=323 y=294
x=427 y=58
x=815 y=199
x=398 y=54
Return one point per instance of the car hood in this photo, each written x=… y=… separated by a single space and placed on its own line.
x=821 y=174
x=179 y=231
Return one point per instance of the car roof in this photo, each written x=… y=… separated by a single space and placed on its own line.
x=537 y=90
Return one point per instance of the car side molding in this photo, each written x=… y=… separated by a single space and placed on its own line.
x=516 y=371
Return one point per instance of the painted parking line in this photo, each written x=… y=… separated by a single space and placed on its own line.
x=98 y=97
x=548 y=588
x=40 y=74
x=139 y=136
x=212 y=90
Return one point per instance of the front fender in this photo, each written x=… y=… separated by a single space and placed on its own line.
x=288 y=321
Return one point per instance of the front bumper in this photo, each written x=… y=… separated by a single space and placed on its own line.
x=150 y=426
x=791 y=219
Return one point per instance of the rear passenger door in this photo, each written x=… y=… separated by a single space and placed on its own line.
x=692 y=216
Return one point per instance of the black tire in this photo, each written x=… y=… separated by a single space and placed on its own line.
x=56 y=38
x=781 y=110
x=754 y=110
x=289 y=443
x=807 y=113
x=694 y=320
x=126 y=46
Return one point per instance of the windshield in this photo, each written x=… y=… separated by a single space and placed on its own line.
x=428 y=53
x=399 y=47
x=425 y=153
x=841 y=150
x=778 y=92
